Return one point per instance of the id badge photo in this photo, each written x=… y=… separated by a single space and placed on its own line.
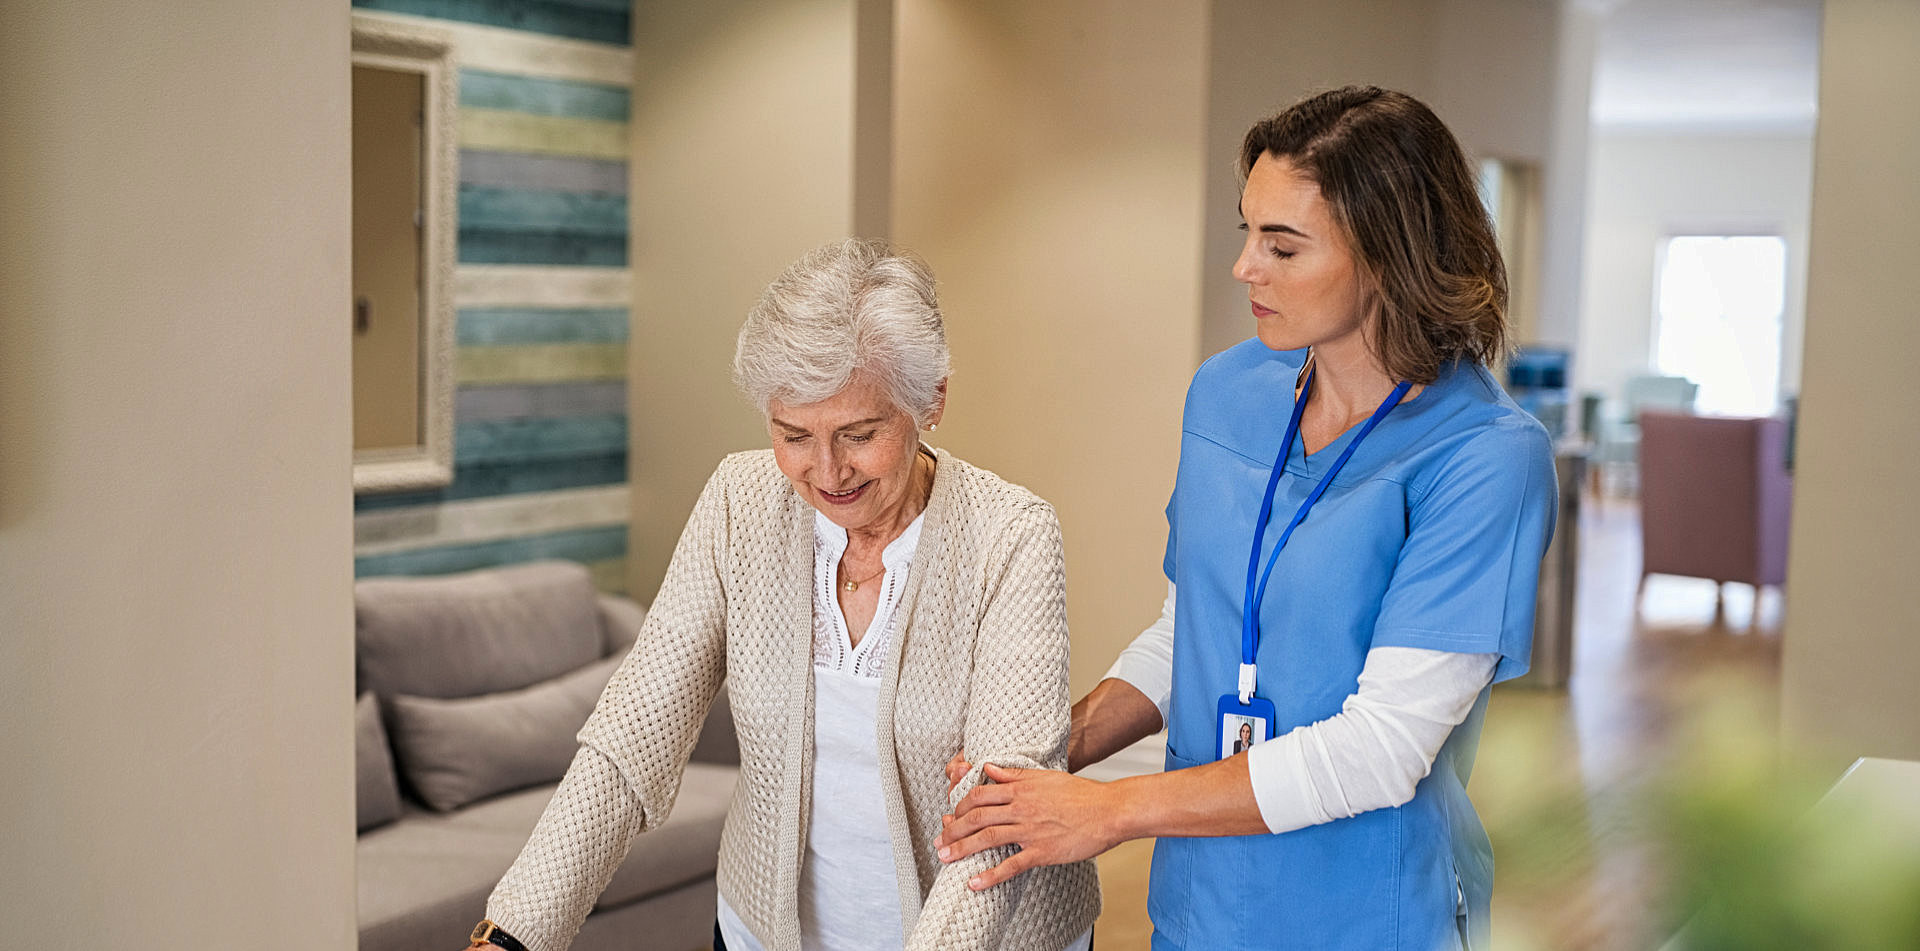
x=1242 y=725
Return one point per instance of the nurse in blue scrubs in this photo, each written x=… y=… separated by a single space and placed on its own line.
x=1353 y=545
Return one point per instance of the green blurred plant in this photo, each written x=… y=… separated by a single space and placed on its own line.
x=1718 y=835
x=1756 y=861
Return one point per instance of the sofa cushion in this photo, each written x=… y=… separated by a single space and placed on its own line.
x=456 y=751
x=424 y=881
x=376 y=792
x=475 y=633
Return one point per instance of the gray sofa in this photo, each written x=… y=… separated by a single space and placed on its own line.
x=471 y=688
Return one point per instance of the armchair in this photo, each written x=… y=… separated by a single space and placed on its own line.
x=1715 y=496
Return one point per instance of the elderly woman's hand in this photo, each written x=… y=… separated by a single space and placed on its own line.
x=1053 y=817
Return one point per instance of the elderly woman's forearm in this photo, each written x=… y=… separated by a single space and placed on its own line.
x=581 y=838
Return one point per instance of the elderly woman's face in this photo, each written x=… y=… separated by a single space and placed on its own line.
x=851 y=456
x=1302 y=279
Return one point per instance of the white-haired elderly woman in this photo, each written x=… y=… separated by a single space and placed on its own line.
x=875 y=605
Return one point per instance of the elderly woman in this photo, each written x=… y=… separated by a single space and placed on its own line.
x=874 y=605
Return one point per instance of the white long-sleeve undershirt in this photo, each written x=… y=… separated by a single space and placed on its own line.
x=1368 y=756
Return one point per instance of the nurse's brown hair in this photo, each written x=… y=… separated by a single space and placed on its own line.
x=1401 y=188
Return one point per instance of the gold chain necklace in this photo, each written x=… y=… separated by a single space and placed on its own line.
x=850 y=586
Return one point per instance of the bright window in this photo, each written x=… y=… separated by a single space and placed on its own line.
x=1719 y=323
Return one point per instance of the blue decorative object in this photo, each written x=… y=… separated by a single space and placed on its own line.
x=1537 y=380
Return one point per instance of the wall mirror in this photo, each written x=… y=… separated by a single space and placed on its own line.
x=405 y=171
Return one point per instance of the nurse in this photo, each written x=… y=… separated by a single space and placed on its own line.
x=1353 y=545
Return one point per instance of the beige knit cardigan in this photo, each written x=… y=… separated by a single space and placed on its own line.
x=979 y=664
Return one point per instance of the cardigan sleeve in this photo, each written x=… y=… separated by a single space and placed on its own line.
x=581 y=839
x=633 y=748
x=649 y=718
x=1017 y=716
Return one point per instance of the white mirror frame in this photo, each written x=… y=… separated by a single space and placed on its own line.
x=388 y=44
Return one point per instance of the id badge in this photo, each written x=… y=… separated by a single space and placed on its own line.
x=1244 y=724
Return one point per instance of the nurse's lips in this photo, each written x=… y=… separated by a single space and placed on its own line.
x=1259 y=311
x=844 y=498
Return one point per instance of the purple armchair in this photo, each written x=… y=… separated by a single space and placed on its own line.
x=1714 y=498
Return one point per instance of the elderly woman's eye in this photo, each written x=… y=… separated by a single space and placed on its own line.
x=795 y=437
x=859 y=437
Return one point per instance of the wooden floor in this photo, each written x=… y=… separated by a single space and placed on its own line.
x=1561 y=774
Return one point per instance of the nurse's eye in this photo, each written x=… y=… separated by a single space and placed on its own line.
x=859 y=437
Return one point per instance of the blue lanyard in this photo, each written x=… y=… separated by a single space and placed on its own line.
x=1249 y=618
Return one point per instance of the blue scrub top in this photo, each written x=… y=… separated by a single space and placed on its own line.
x=1430 y=537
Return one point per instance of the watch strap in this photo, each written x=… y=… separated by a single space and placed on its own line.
x=486 y=932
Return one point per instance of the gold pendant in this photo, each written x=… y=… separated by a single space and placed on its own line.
x=850 y=586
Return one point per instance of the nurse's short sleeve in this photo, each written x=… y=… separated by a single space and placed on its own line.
x=1467 y=576
x=1173 y=539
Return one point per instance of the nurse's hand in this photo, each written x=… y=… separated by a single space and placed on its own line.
x=1109 y=719
x=957 y=768
x=1054 y=817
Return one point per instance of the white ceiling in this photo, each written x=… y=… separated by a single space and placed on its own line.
x=1708 y=65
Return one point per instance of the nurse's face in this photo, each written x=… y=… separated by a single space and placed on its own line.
x=1303 y=282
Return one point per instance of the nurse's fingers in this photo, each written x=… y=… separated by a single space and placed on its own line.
x=1020 y=862
x=1053 y=817
x=960 y=827
x=957 y=769
x=985 y=794
x=961 y=845
x=993 y=792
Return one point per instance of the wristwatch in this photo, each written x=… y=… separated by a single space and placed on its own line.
x=486 y=932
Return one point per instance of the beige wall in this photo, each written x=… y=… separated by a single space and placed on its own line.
x=1852 y=641
x=1646 y=187
x=1493 y=83
x=1489 y=68
x=745 y=127
x=1049 y=164
x=174 y=476
x=1266 y=55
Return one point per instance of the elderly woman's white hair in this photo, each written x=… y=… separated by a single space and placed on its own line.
x=855 y=306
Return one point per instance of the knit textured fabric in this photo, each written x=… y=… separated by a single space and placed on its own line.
x=979 y=665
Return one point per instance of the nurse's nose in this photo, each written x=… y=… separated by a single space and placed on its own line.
x=1244 y=270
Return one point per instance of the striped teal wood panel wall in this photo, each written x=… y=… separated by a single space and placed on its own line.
x=540 y=410
x=607 y=22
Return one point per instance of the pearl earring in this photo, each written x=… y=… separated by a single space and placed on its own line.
x=932 y=426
